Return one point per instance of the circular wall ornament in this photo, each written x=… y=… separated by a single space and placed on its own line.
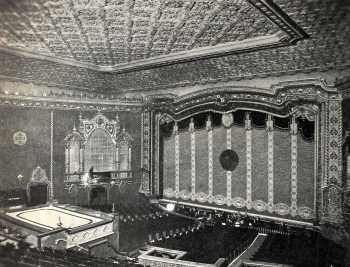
x=20 y=138
x=229 y=159
x=227 y=120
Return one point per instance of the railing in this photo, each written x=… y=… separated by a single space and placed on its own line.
x=249 y=263
x=121 y=174
x=248 y=251
x=111 y=177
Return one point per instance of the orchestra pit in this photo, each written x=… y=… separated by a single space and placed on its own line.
x=175 y=133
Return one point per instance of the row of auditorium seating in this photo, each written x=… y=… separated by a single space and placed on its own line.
x=301 y=248
x=141 y=222
x=131 y=212
x=209 y=242
x=236 y=220
x=25 y=256
x=136 y=233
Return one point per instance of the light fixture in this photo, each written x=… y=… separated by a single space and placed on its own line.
x=170 y=207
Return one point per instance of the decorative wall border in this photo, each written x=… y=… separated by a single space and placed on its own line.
x=248 y=127
x=278 y=101
x=145 y=152
x=229 y=173
x=210 y=159
x=51 y=191
x=294 y=166
x=69 y=104
x=177 y=160
x=193 y=159
x=269 y=129
x=280 y=209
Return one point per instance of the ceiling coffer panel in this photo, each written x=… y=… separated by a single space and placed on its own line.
x=117 y=35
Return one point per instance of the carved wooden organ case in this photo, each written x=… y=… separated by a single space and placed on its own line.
x=98 y=151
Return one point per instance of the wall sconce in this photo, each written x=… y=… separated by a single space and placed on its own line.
x=20 y=177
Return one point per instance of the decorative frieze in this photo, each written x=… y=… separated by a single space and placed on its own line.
x=281 y=209
x=248 y=128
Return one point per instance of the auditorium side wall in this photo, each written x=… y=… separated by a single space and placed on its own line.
x=35 y=123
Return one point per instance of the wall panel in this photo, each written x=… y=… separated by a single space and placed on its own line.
x=35 y=123
x=282 y=167
x=239 y=181
x=202 y=161
x=16 y=159
x=185 y=160
x=259 y=164
x=305 y=191
x=169 y=162
x=219 y=174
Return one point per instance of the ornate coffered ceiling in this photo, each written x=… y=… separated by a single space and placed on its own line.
x=120 y=35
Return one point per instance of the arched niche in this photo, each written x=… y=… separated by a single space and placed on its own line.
x=98 y=151
x=74 y=143
x=124 y=145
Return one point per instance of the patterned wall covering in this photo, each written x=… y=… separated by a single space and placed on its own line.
x=184 y=162
x=259 y=165
x=202 y=160
x=219 y=174
x=23 y=159
x=306 y=155
x=282 y=152
x=239 y=174
x=271 y=191
x=169 y=162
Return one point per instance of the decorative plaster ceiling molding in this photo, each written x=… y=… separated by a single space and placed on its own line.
x=82 y=33
x=53 y=102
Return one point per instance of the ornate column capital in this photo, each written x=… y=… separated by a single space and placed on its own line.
x=294 y=126
x=209 y=125
x=269 y=123
x=176 y=128
x=191 y=126
x=248 y=122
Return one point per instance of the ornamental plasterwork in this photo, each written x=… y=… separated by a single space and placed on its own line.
x=305 y=111
x=334 y=135
x=75 y=136
x=145 y=152
x=230 y=98
x=124 y=138
x=100 y=121
x=107 y=35
x=281 y=209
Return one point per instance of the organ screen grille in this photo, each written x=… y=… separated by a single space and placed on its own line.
x=99 y=152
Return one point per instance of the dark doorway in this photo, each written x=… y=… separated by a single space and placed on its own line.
x=98 y=197
x=37 y=194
